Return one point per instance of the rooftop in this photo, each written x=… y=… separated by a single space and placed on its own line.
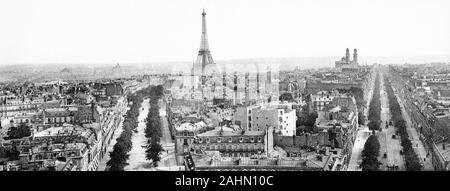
x=230 y=132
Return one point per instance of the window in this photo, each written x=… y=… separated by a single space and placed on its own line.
x=207 y=140
x=241 y=139
x=230 y=140
x=200 y=140
x=252 y=139
x=219 y=140
x=259 y=139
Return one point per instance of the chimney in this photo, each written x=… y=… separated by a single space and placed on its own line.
x=268 y=80
x=258 y=92
x=224 y=83
x=92 y=111
x=43 y=116
x=235 y=87
x=192 y=81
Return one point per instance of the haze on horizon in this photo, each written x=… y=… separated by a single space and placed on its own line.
x=140 y=31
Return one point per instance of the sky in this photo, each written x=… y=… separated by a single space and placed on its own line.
x=129 y=31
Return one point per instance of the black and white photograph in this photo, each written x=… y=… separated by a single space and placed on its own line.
x=224 y=86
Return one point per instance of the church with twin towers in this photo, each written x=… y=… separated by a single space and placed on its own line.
x=346 y=62
x=210 y=82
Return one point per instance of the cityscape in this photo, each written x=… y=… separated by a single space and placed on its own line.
x=273 y=114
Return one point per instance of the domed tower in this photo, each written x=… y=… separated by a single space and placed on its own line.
x=355 y=57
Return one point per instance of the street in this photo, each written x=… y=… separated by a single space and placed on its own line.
x=393 y=146
x=137 y=160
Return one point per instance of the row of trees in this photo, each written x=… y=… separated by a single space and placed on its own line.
x=9 y=153
x=153 y=130
x=411 y=159
x=286 y=97
x=23 y=130
x=305 y=120
x=370 y=154
x=119 y=155
x=375 y=106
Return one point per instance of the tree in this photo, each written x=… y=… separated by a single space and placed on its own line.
x=375 y=106
x=153 y=152
x=374 y=125
x=370 y=153
x=119 y=155
x=361 y=118
x=412 y=161
x=22 y=130
x=307 y=119
x=286 y=97
x=118 y=159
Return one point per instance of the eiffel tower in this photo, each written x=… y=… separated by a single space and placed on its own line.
x=204 y=66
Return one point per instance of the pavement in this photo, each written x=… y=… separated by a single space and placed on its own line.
x=358 y=146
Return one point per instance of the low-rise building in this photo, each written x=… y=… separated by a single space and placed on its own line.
x=281 y=116
x=235 y=143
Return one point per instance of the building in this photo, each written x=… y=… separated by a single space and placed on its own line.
x=281 y=116
x=321 y=100
x=345 y=62
x=235 y=143
x=340 y=121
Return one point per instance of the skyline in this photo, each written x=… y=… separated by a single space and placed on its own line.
x=94 y=33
